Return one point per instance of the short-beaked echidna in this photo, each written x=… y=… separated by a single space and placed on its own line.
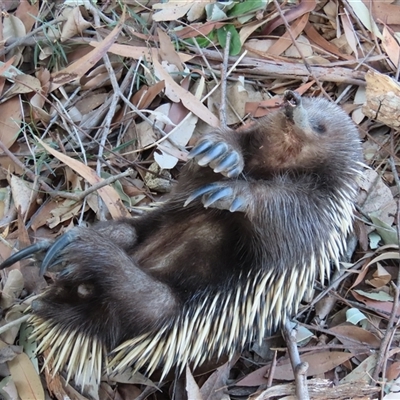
x=256 y=215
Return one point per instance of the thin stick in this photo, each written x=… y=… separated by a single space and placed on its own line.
x=16 y=322
x=55 y=193
x=289 y=30
x=224 y=69
x=299 y=367
x=393 y=322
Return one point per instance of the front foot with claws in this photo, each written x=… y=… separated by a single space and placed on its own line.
x=220 y=195
x=121 y=233
x=222 y=157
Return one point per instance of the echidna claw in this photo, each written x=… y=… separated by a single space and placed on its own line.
x=219 y=156
x=234 y=172
x=55 y=249
x=238 y=205
x=25 y=253
x=228 y=162
x=218 y=194
x=199 y=192
x=200 y=147
x=216 y=151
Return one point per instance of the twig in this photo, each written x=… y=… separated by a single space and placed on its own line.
x=272 y=370
x=392 y=323
x=27 y=171
x=209 y=68
x=15 y=42
x=56 y=193
x=16 y=322
x=113 y=106
x=289 y=30
x=299 y=367
x=224 y=69
x=104 y=182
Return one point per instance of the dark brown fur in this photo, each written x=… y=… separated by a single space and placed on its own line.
x=296 y=167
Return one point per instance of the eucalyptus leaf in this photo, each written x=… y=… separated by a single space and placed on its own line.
x=235 y=45
x=214 y=13
x=380 y=296
x=246 y=7
x=385 y=231
x=374 y=240
x=354 y=316
x=202 y=41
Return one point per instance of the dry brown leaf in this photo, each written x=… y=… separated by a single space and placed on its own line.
x=200 y=29
x=363 y=14
x=215 y=387
x=349 y=33
x=385 y=11
x=249 y=28
x=172 y=10
x=375 y=197
x=13 y=27
x=143 y=98
x=107 y=193
x=26 y=378
x=198 y=10
x=10 y=121
x=302 y=49
x=99 y=77
x=363 y=372
x=187 y=98
x=27 y=12
x=38 y=100
x=382 y=307
x=91 y=102
x=167 y=50
x=391 y=46
x=352 y=335
x=138 y=52
x=24 y=84
x=192 y=389
x=12 y=288
x=285 y=41
x=393 y=371
x=77 y=69
x=318 y=364
x=380 y=277
x=66 y=209
x=304 y=7
x=40 y=218
x=74 y=25
x=315 y=37
x=23 y=194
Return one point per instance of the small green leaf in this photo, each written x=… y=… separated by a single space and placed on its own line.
x=303 y=335
x=235 y=45
x=202 y=41
x=214 y=13
x=374 y=240
x=354 y=316
x=385 y=231
x=246 y=7
x=380 y=296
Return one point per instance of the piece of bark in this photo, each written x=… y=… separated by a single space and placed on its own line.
x=383 y=99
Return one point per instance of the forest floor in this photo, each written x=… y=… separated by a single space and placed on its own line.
x=100 y=102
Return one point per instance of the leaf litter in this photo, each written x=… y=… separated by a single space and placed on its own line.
x=100 y=102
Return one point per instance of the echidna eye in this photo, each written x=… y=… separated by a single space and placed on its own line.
x=319 y=128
